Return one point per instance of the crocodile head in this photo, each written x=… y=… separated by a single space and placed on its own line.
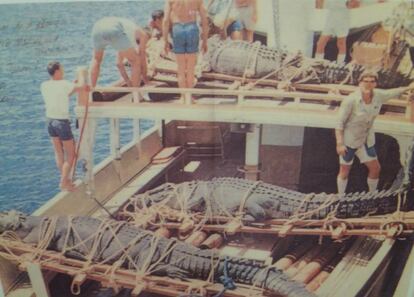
x=10 y=220
x=18 y=222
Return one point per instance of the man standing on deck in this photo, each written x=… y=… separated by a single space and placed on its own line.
x=245 y=11
x=124 y=36
x=354 y=132
x=336 y=24
x=56 y=93
x=219 y=11
x=182 y=14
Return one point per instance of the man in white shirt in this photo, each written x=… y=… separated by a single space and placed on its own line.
x=354 y=132
x=336 y=24
x=124 y=36
x=56 y=93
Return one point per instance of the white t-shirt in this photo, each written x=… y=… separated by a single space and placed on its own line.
x=56 y=96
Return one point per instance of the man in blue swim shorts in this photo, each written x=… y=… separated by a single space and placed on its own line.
x=354 y=132
x=219 y=12
x=182 y=14
x=245 y=11
x=234 y=30
x=124 y=36
x=56 y=93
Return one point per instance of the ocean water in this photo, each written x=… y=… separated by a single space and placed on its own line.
x=33 y=34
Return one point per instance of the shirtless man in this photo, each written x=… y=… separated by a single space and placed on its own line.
x=124 y=36
x=245 y=11
x=182 y=15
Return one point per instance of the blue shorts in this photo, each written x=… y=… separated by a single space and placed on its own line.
x=364 y=154
x=236 y=26
x=186 y=37
x=59 y=128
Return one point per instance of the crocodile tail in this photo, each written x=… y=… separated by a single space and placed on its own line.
x=276 y=281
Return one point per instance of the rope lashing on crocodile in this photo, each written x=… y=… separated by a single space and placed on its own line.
x=119 y=244
x=233 y=57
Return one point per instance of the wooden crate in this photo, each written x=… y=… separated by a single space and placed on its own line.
x=369 y=54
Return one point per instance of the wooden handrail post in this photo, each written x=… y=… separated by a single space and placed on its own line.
x=86 y=142
x=82 y=78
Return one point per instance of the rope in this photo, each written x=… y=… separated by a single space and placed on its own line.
x=251 y=61
x=246 y=195
x=228 y=283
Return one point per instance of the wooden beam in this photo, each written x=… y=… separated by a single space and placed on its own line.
x=121 y=277
x=267 y=112
x=114 y=139
x=36 y=278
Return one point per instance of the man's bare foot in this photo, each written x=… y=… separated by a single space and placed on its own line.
x=68 y=186
x=181 y=100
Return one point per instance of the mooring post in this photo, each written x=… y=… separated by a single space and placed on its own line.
x=87 y=130
x=252 y=153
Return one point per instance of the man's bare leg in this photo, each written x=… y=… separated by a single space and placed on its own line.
x=133 y=58
x=249 y=35
x=181 y=75
x=66 y=180
x=341 y=44
x=320 y=46
x=236 y=35
x=59 y=156
x=191 y=61
x=374 y=169
x=342 y=179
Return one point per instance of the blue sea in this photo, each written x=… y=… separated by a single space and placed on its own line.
x=33 y=34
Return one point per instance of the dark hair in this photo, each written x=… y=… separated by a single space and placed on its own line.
x=52 y=67
x=368 y=73
x=157 y=14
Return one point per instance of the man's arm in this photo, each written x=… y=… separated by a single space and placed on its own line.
x=210 y=2
x=385 y=95
x=122 y=71
x=340 y=146
x=166 y=25
x=254 y=7
x=344 y=113
x=77 y=87
x=96 y=66
x=319 y=4
x=204 y=25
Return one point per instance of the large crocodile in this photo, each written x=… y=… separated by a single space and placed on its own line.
x=259 y=201
x=140 y=249
x=241 y=58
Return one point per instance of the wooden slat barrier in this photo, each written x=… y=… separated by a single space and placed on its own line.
x=242 y=94
x=382 y=226
x=53 y=261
